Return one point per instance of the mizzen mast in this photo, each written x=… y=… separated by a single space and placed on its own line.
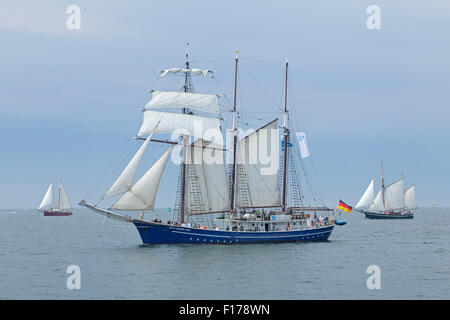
x=286 y=144
x=233 y=175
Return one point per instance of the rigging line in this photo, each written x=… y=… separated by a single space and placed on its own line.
x=91 y=189
x=299 y=119
x=264 y=61
x=155 y=82
x=212 y=60
x=313 y=188
x=216 y=81
x=262 y=88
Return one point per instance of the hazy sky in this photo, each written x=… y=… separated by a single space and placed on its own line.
x=70 y=99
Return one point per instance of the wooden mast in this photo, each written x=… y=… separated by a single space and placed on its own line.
x=233 y=175
x=286 y=144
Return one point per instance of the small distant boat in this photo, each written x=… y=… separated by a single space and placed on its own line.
x=62 y=207
x=391 y=202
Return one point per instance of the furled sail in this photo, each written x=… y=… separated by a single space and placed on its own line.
x=142 y=194
x=394 y=196
x=198 y=101
x=48 y=199
x=64 y=202
x=166 y=122
x=410 y=198
x=206 y=179
x=125 y=181
x=378 y=202
x=367 y=197
x=257 y=182
x=205 y=73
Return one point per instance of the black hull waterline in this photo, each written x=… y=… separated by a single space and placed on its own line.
x=376 y=215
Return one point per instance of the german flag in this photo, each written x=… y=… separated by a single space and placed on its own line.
x=344 y=207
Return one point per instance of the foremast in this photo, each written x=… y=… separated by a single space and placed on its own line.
x=187 y=87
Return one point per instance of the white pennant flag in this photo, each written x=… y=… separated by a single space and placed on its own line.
x=301 y=137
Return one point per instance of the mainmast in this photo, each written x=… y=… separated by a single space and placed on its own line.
x=233 y=176
x=286 y=143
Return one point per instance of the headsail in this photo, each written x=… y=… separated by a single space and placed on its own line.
x=125 y=181
x=47 y=202
x=64 y=202
x=367 y=197
x=378 y=202
x=410 y=198
x=256 y=185
x=198 y=101
x=142 y=195
x=206 y=179
x=394 y=196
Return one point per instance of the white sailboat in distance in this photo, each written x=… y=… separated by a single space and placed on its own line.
x=61 y=207
x=391 y=202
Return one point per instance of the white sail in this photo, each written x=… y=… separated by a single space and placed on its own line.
x=378 y=202
x=64 y=202
x=47 y=202
x=125 y=181
x=410 y=198
x=394 y=196
x=254 y=188
x=198 y=101
x=206 y=180
x=142 y=195
x=166 y=122
x=367 y=197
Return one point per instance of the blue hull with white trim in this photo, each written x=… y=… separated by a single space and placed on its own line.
x=157 y=233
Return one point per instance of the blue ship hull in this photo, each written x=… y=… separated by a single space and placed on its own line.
x=157 y=233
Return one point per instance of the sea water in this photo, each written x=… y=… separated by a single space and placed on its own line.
x=413 y=257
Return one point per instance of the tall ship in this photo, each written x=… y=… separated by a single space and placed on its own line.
x=60 y=207
x=226 y=193
x=391 y=202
